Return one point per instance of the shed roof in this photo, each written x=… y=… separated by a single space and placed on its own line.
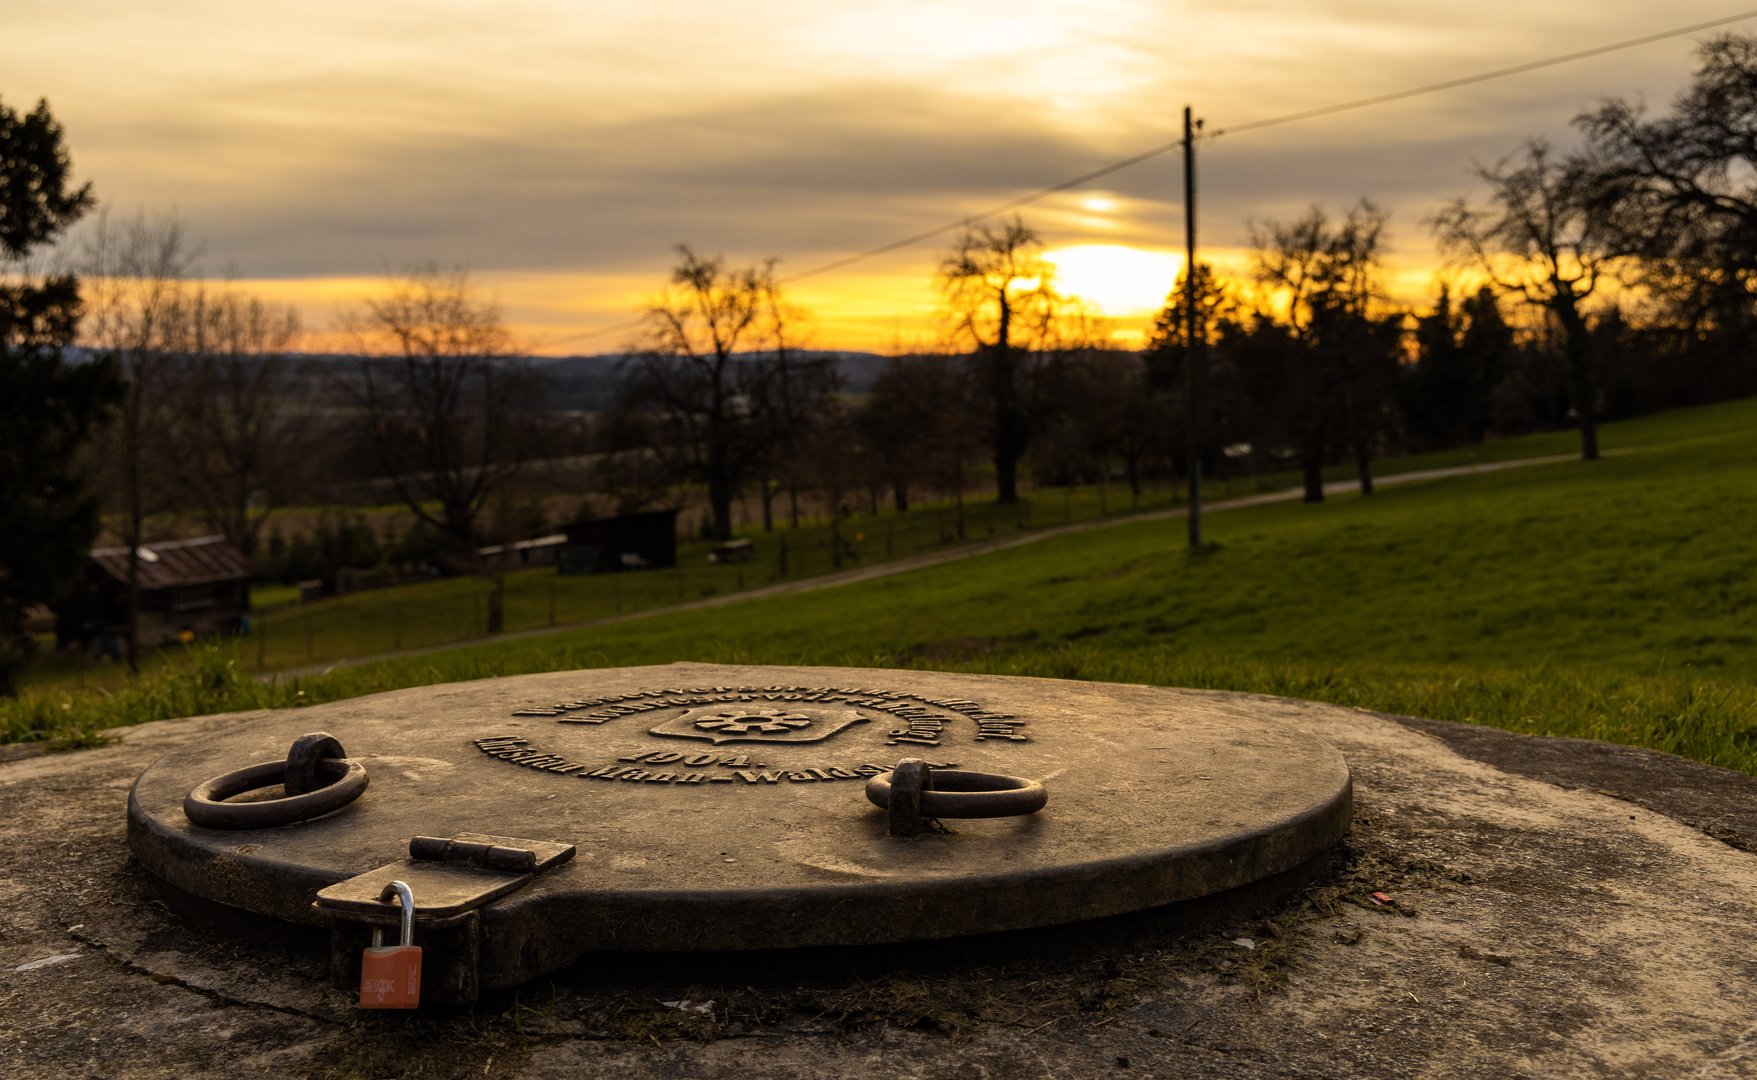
x=178 y=562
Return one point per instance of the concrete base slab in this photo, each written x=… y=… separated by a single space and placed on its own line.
x=1536 y=928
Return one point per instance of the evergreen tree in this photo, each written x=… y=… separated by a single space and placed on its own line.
x=48 y=405
x=1461 y=355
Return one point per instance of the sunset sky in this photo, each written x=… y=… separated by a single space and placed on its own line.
x=560 y=150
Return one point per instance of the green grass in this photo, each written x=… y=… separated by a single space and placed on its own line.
x=453 y=611
x=287 y=634
x=1613 y=600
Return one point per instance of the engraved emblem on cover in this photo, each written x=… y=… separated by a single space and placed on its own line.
x=763 y=724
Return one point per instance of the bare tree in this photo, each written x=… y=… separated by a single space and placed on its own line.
x=1548 y=242
x=898 y=421
x=1680 y=188
x=236 y=433
x=628 y=467
x=786 y=392
x=720 y=372
x=449 y=409
x=954 y=429
x=1290 y=261
x=1344 y=385
x=999 y=292
x=441 y=395
x=1679 y=193
x=832 y=462
x=1124 y=415
x=134 y=281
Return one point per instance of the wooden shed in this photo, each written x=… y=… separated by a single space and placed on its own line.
x=188 y=589
x=630 y=542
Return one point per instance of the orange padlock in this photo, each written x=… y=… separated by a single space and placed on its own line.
x=391 y=978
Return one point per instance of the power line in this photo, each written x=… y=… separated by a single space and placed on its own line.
x=1253 y=125
x=1467 y=80
x=1065 y=185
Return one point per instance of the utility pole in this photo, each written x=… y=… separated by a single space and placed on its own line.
x=1190 y=332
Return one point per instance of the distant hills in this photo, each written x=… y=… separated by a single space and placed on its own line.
x=588 y=383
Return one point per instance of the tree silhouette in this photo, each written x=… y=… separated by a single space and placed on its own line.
x=237 y=438
x=1548 y=242
x=35 y=169
x=48 y=407
x=446 y=404
x=1342 y=388
x=1679 y=195
x=720 y=373
x=1001 y=297
x=135 y=276
x=1168 y=351
x=1461 y=355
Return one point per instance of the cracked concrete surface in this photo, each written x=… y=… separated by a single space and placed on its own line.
x=1561 y=910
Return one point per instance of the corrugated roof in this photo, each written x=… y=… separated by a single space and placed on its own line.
x=178 y=562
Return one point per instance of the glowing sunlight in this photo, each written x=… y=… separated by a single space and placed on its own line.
x=1122 y=281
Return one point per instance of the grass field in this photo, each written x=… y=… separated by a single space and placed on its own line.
x=450 y=610
x=1614 y=600
x=287 y=634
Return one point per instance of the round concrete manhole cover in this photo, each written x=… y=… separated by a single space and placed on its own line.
x=715 y=807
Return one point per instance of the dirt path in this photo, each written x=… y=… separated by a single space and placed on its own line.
x=918 y=562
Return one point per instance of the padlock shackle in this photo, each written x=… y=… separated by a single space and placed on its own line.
x=407 y=897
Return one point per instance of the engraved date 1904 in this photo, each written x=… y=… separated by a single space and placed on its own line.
x=674 y=767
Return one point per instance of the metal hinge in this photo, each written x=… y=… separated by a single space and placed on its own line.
x=451 y=878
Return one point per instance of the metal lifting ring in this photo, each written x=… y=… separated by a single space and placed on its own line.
x=342 y=782
x=920 y=792
x=958 y=794
x=303 y=757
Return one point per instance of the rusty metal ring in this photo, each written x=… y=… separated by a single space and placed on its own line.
x=302 y=759
x=206 y=805
x=958 y=794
